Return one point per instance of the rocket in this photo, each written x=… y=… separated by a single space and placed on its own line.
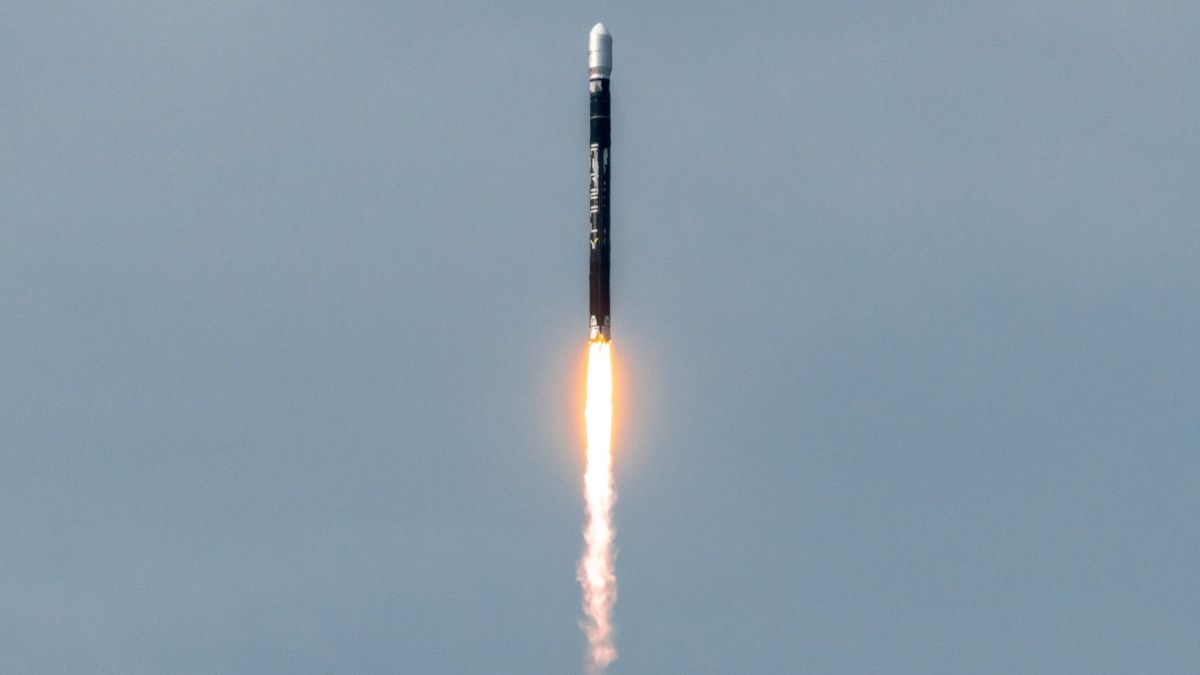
x=599 y=71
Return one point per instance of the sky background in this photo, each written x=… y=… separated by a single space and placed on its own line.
x=906 y=309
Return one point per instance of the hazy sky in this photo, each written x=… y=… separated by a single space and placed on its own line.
x=906 y=308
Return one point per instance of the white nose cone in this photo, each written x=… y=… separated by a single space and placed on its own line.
x=599 y=52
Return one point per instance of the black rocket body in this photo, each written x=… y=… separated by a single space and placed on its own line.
x=600 y=137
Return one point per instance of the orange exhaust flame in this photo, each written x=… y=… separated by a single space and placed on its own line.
x=596 y=567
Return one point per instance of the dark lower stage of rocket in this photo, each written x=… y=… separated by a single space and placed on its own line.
x=598 y=269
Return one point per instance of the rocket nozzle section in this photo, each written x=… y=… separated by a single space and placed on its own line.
x=598 y=333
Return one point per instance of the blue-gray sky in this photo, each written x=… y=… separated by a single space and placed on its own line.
x=907 y=306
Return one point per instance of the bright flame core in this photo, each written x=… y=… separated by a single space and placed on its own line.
x=596 y=567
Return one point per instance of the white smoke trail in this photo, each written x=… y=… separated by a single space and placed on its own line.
x=596 y=567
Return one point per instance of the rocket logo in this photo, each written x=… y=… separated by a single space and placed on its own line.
x=594 y=195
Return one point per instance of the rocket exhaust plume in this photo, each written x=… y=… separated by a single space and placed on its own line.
x=596 y=567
